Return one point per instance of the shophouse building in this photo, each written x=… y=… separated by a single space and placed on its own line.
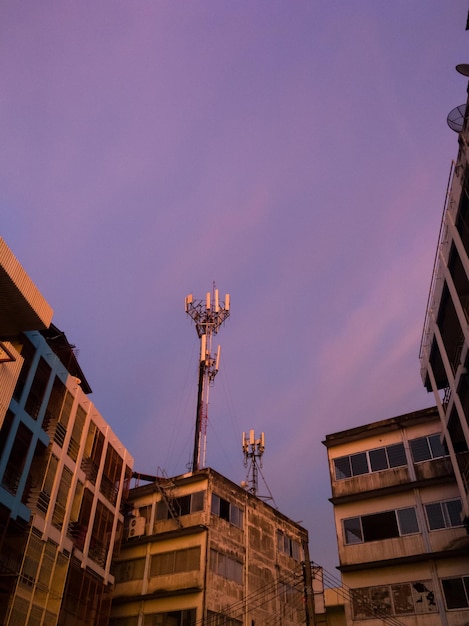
x=403 y=548
x=200 y=549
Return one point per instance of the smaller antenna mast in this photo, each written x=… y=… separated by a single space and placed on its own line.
x=253 y=450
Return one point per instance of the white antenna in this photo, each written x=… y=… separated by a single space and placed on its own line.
x=208 y=316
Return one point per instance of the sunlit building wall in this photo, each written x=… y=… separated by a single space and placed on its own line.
x=403 y=548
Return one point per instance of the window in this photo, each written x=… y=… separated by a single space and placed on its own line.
x=427 y=448
x=227 y=511
x=375 y=460
x=129 y=570
x=175 y=562
x=379 y=526
x=172 y=618
x=456 y=592
x=38 y=388
x=17 y=459
x=183 y=505
x=444 y=514
x=399 y=599
x=225 y=566
x=288 y=546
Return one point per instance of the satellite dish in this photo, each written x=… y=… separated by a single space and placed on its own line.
x=463 y=68
x=455 y=118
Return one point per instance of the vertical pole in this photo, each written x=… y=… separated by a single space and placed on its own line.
x=199 y=418
x=308 y=587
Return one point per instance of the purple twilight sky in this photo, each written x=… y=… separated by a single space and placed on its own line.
x=295 y=152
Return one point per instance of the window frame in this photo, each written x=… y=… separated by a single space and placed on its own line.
x=227 y=510
x=364 y=457
x=430 y=448
x=361 y=535
x=464 y=582
x=446 y=515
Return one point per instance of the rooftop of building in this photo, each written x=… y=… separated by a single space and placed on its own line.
x=200 y=475
x=22 y=306
x=66 y=352
x=382 y=426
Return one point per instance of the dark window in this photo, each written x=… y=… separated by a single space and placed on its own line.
x=379 y=526
x=456 y=592
x=27 y=352
x=17 y=459
x=227 y=511
x=38 y=388
x=342 y=468
x=396 y=455
x=427 y=448
x=378 y=460
x=375 y=460
x=353 y=530
x=172 y=618
x=359 y=464
x=183 y=505
x=444 y=514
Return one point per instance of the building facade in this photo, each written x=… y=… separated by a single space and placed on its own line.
x=63 y=473
x=202 y=550
x=403 y=548
x=444 y=352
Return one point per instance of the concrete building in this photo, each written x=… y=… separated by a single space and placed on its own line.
x=202 y=550
x=63 y=473
x=444 y=355
x=403 y=548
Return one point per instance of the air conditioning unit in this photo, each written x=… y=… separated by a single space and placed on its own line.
x=136 y=527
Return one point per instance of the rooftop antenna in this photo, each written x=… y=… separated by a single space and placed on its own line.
x=208 y=315
x=253 y=449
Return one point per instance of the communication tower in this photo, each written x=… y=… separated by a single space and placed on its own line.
x=208 y=316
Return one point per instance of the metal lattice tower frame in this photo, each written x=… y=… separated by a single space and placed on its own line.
x=208 y=315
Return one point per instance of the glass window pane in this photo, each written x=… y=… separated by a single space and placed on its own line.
x=453 y=511
x=378 y=460
x=435 y=516
x=342 y=468
x=197 y=503
x=420 y=449
x=215 y=504
x=436 y=446
x=408 y=521
x=353 y=530
x=455 y=594
x=359 y=464
x=396 y=455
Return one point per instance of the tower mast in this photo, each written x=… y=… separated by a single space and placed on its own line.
x=208 y=315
